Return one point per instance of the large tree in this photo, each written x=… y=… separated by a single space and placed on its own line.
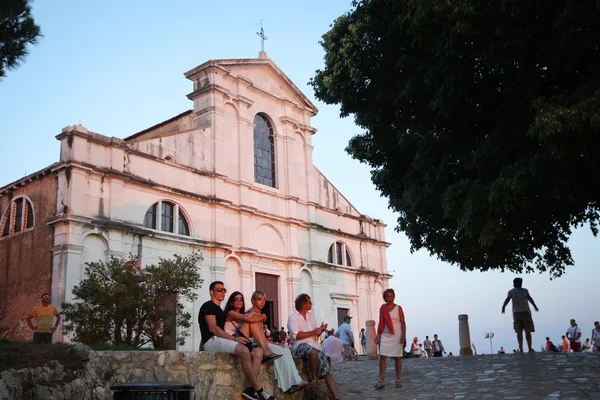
x=482 y=122
x=17 y=31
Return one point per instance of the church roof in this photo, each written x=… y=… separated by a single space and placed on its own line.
x=226 y=64
x=160 y=124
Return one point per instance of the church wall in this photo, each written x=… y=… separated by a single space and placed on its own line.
x=191 y=149
x=25 y=262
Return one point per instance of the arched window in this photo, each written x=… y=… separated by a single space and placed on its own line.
x=339 y=254
x=17 y=218
x=167 y=216
x=264 y=151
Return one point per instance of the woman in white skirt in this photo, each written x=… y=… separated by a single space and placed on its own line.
x=391 y=337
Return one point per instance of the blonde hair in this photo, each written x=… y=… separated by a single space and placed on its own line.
x=257 y=295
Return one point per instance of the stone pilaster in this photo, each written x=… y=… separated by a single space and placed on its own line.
x=464 y=336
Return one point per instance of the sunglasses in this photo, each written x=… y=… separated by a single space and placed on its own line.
x=221 y=290
x=238 y=299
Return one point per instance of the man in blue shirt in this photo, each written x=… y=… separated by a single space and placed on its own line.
x=347 y=337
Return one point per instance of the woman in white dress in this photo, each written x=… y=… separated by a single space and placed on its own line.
x=391 y=337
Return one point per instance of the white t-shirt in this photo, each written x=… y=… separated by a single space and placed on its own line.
x=333 y=348
x=572 y=333
x=297 y=323
x=519 y=300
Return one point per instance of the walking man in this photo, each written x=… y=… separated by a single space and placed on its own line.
x=347 y=338
x=574 y=336
x=522 y=320
x=43 y=315
x=437 y=347
x=211 y=319
x=427 y=346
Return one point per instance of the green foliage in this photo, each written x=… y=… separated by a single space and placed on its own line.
x=17 y=30
x=482 y=122
x=112 y=294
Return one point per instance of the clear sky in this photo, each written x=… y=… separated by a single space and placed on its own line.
x=118 y=68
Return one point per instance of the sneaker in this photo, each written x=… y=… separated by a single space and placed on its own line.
x=250 y=394
x=263 y=395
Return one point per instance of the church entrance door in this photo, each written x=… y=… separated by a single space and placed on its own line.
x=270 y=285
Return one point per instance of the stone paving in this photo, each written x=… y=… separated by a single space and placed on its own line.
x=552 y=376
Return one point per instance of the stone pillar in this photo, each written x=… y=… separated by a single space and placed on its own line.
x=371 y=346
x=464 y=336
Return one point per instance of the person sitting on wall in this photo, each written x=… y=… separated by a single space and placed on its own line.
x=248 y=325
x=304 y=332
x=211 y=319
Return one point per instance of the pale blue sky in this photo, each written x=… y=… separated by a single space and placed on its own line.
x=118 y=68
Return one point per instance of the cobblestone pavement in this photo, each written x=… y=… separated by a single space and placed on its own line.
x=552 y=376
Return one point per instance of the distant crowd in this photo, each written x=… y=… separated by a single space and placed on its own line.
x=572 y=341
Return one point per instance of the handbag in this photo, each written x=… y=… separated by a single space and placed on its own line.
x=250 y=343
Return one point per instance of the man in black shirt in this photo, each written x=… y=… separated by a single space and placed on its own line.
x=214 y=339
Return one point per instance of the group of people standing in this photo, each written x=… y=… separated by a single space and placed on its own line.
x=239 y=331
x=571 y=340
x=428 y=348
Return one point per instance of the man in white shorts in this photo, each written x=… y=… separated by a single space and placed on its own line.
x=211 y=319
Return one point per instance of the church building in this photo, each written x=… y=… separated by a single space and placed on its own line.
x=233 y=177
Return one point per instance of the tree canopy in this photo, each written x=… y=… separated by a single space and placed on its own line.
x=482 y=122
x=17 y=30
x=113 y=295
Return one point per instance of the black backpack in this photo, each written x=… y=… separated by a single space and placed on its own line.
x=553 y=347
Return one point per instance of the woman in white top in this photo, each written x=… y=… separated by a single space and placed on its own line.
x=286 y=372
x=414 y=347
x=391 y=337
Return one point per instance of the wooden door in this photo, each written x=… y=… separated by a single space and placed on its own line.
x=270 y=285
x=341 y=313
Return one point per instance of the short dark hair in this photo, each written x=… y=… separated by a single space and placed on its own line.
x=215 y=283
x=385 y=293
x=301 y=300
x=518 y=282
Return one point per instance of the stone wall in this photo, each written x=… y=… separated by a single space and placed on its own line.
x=214 y=376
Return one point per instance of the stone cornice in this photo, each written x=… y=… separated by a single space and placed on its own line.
x=297 y=124
x=343 y=296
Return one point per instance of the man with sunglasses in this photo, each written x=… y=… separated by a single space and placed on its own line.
x=44 y=316
x=211 y=319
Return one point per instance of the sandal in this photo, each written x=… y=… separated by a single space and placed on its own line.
x=397 y=384
x=380 y=384
x=271 y=357
x=295 y=388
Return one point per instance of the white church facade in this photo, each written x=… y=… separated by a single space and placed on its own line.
x=233 y=178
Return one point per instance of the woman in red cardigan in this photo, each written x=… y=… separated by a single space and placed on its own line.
x=391 y=337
